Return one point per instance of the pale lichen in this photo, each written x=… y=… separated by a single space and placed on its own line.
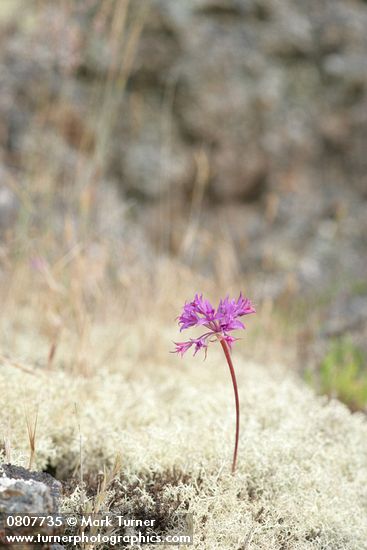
x=301 y=481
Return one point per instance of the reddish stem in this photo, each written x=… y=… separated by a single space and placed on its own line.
x=227 y=353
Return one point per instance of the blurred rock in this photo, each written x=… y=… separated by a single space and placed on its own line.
x=255 y=81
x=273 y=91
x=20 y=496
x=347 y=316
x=22 y=492
x=9 y=203
x=17 y=472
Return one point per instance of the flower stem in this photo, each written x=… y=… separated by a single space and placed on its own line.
x=227 y=353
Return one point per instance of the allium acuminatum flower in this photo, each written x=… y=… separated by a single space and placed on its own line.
x=219 y=322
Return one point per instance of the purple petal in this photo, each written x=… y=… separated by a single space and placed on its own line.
x=198 y=312
x=182 y=347
x=199 y=344
x=233 y=324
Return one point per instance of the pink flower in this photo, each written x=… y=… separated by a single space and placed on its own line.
x=219 y=322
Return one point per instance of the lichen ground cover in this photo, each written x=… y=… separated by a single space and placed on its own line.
x=302 y=466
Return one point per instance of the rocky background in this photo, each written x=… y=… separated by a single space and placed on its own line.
x=230 y=134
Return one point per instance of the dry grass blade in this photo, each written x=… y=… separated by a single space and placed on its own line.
x=10 y=363
x=82 y=488
x=32 y=431
x=51 y=355
x=7 y=448
x=201 y=182
x=107 y=479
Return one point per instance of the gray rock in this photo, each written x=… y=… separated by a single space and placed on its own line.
x=18 y=473
x=25 y=494
x=9 y=203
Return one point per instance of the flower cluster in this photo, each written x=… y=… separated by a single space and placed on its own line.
x=219 y=322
